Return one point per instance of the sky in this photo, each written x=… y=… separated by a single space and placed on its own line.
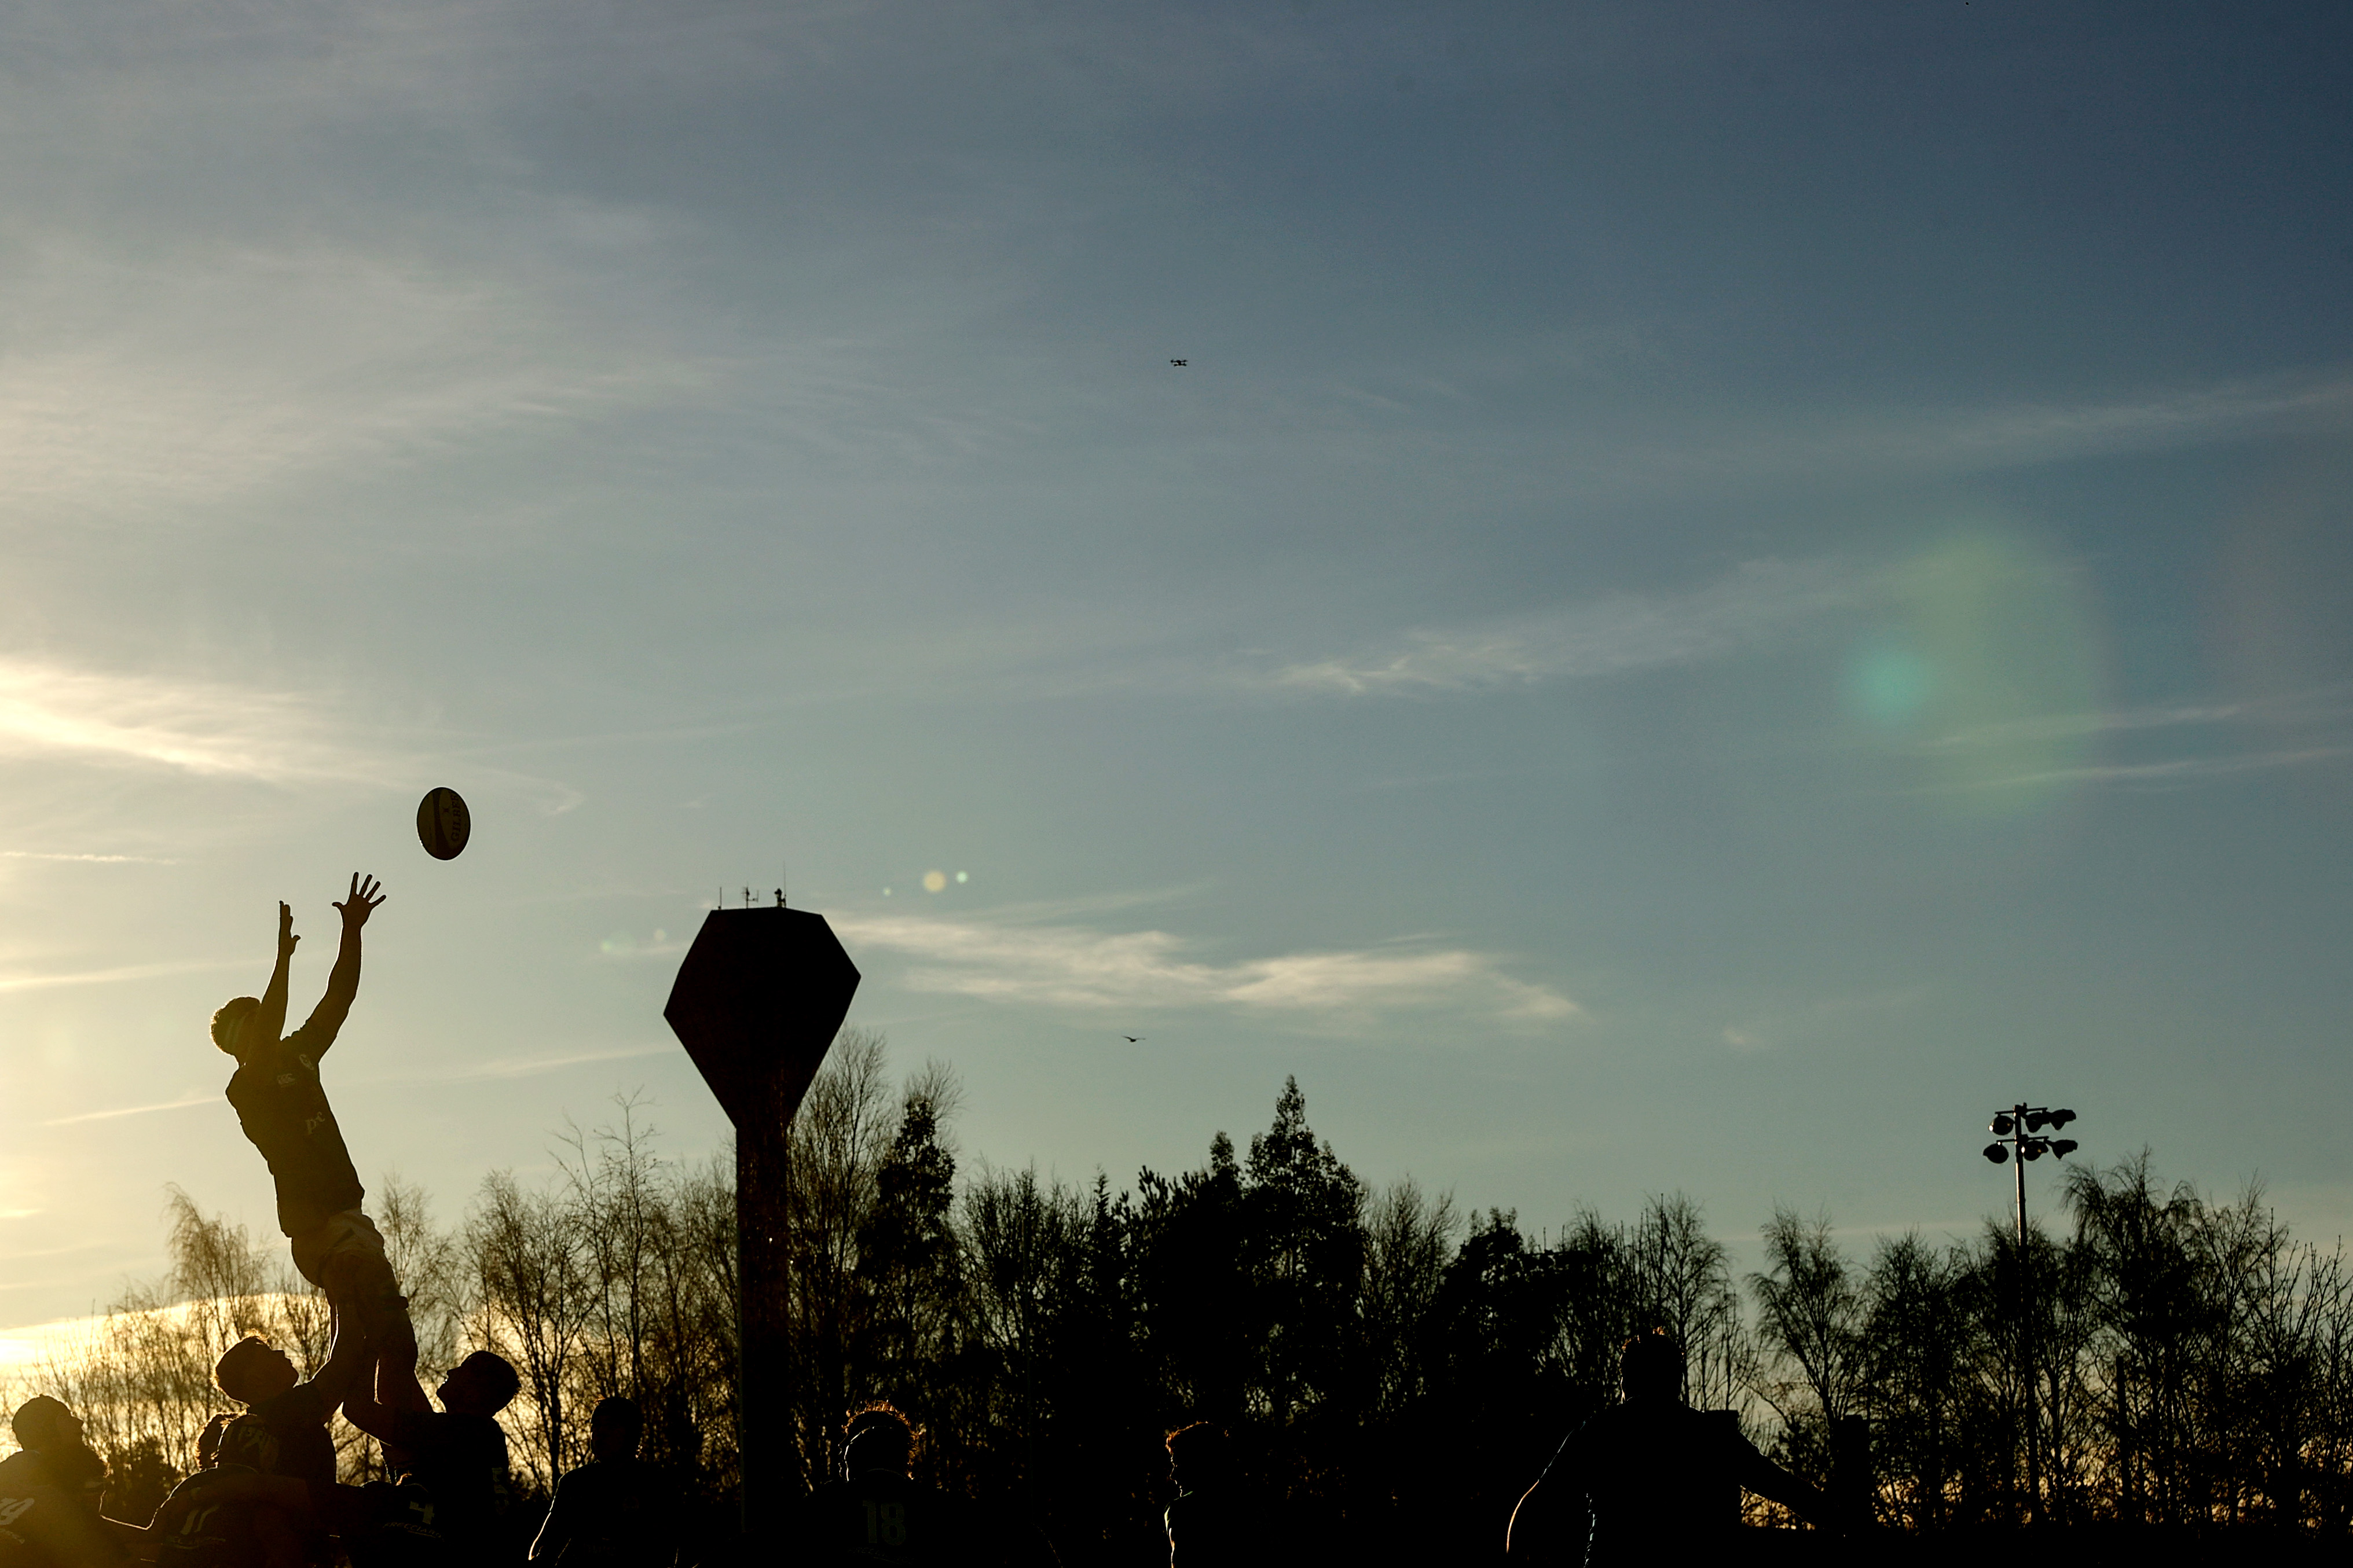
x=1721 y=592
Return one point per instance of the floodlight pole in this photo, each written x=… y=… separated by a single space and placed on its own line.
x=2026 y=1334
x=2017 y=1138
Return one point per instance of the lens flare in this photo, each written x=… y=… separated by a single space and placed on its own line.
x=1987 y=675
x=1888 y=684
x=934 y=880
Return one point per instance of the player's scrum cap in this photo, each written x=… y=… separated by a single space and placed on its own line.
x=36 y=1421
x=491 y=1366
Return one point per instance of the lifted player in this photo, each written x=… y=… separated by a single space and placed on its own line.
x=283 y=1108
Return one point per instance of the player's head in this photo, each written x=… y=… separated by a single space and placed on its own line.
x=231 y=1020
x=44 y=1425
x=877 y=1438
x=615 y=1429
x=1199 y=1453
x=482 y=1384
x=1650 y=1366
x=253 y=1370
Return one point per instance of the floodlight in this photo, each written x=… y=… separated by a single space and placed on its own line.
x=1996 y=1153
x=2035 y=1119
x=2061 y=1118
x=2062 y=1147
x=2031 y=1150
x=1999 y=1127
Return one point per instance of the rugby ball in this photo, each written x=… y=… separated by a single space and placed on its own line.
x=443 y=824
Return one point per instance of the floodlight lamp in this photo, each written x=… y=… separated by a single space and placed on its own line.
x=1999 y=1127
x=2035 y=1119
x=2062 y=1147
x=2061 y=1118
x=2032 y=1149
x=1996 y=1153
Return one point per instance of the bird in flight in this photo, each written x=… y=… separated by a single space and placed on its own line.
x=1133 y=1039
x=1178 y=363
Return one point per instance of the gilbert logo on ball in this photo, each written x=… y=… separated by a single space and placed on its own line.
x=443 y=823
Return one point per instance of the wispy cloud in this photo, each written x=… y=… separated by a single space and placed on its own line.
x=1958 y=440
x=1784 y=1025
x=530 y=1067
x=93 y=860
x=182 y=1103
x=1071 y=966
x=1762 y=600
x=230 y=370
x=627 y=945
x=2024 y=433
x=2173 y=770
x=197 y=727
x=119 y=974
x=2062 y=726
x=2317 y=714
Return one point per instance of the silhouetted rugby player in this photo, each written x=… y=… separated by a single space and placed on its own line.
x=287 y=1434
x=877 y=1512
x=457 y=1453
x=616 y=1511
x=283 y=1108
x=283 y=1431
x=218 y=1523
x=1212 y=1520
x=1650 y=1479
x=49 y=1496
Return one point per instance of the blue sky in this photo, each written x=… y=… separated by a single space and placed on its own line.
x=1723 y=590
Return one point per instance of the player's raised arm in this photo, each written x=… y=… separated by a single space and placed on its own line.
x=343 y=981
x=351 y=1361
x=389 y=1411
x=269 y=1021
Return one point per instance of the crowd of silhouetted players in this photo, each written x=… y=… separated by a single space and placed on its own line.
x=1638 y=1483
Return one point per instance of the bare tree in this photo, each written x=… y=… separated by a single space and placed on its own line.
x=532 y=1299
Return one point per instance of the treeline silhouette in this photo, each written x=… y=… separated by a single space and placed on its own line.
x=1394 y=1370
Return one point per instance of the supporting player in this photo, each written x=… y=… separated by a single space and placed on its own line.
x=288 y=1417
x=457 y=1453
x=283 y=1108
x=283 y=1431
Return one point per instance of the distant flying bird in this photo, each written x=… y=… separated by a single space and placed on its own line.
x=1133 y=1039
x=1178 y=363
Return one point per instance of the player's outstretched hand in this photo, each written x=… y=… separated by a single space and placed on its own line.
x=286 y=937
x=361 y=901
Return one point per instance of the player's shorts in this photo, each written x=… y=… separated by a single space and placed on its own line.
x=346 y=1231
